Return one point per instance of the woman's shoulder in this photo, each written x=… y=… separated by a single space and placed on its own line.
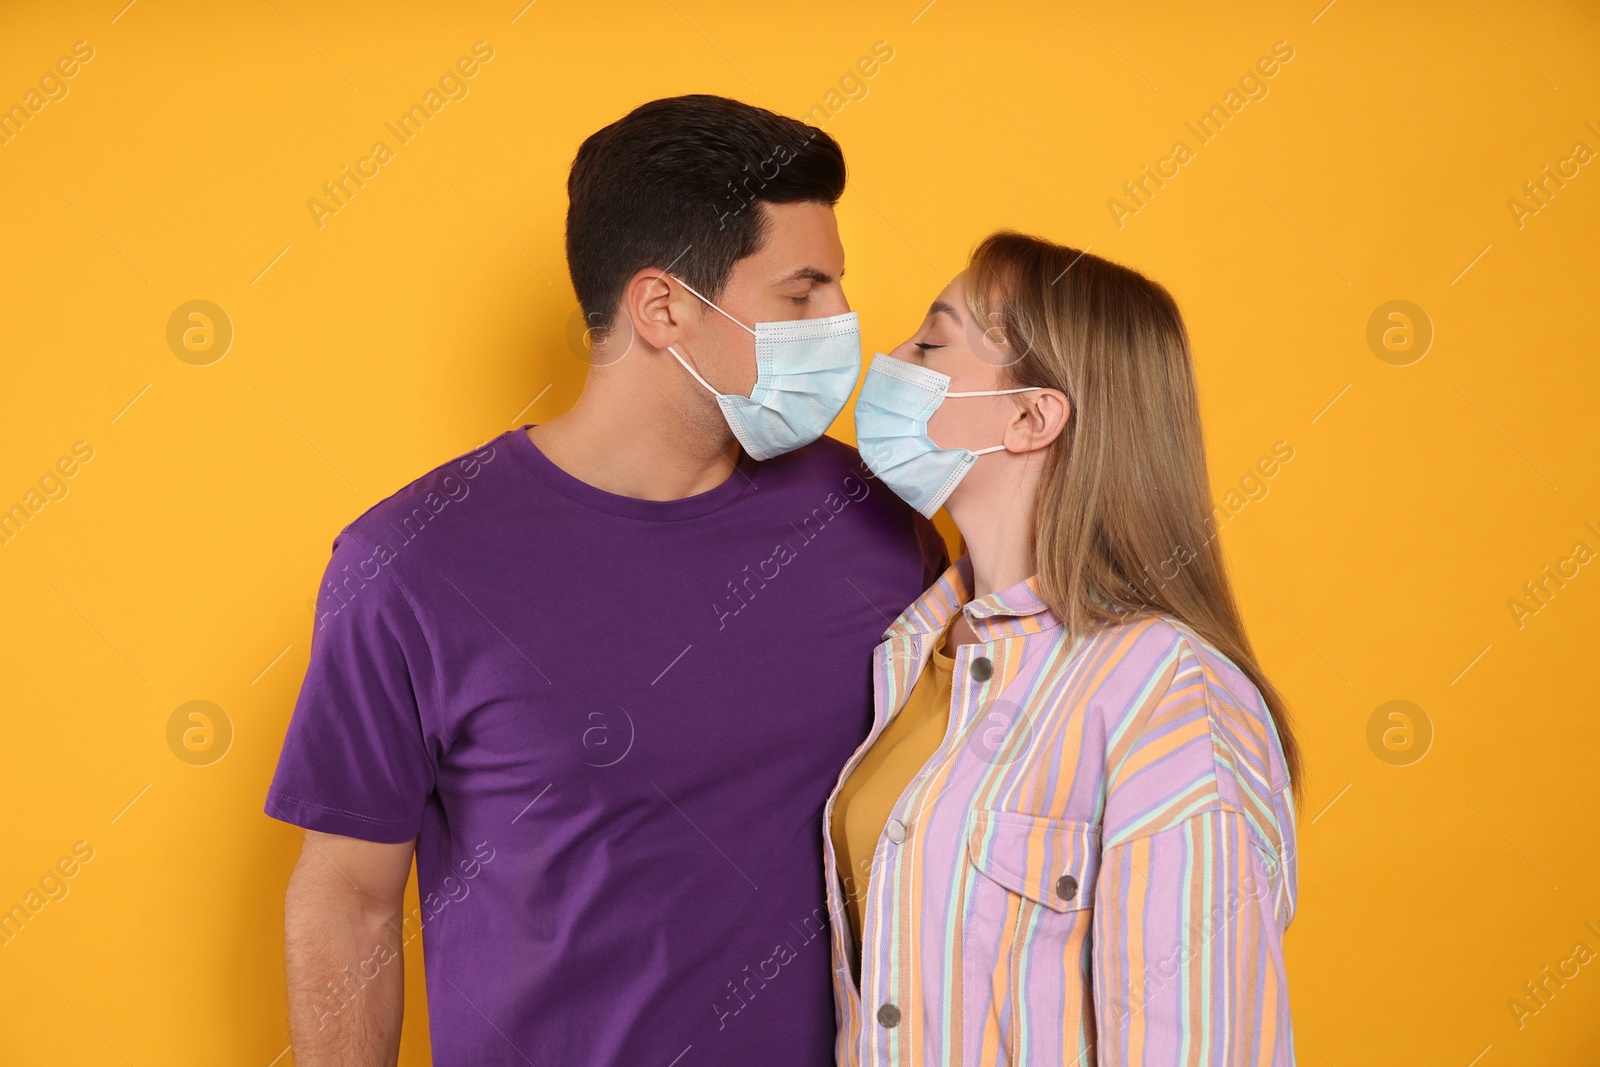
x=1186 y=731
x=1159 y=655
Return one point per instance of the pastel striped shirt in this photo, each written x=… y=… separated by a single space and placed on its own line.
x=1095 y=868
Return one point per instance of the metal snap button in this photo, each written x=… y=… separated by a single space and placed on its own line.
x=889 y=1016
x=1066 y=887
x=896 y=830
x=982 y=669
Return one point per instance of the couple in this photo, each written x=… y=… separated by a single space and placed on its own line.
x=706 y=752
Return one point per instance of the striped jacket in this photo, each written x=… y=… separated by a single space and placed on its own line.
x=1095 y=868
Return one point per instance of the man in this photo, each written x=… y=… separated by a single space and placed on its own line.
x=600 y=674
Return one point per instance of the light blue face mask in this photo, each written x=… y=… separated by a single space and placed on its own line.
x=805 y=370
x=892 y=415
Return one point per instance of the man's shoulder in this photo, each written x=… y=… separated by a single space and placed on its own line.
x=423 y=502
x=828 y=465
x=823 y=460
x=827 y=483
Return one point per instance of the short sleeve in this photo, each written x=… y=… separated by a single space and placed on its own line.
x=356 y=760
x=1188 y=961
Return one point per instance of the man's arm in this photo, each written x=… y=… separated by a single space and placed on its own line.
x=343 y=940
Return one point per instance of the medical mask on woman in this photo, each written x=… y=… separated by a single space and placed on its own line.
x=892 y=415
x=805 y=370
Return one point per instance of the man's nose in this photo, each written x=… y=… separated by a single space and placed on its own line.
x=833 y=302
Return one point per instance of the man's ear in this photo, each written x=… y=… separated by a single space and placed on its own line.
x=658 y=309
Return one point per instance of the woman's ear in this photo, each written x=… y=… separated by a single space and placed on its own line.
x=1040 y=420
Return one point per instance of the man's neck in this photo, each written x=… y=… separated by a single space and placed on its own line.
x=638 y=444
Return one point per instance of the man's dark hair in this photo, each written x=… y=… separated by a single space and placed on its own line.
x=677 y=184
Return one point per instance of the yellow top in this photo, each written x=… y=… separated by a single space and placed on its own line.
x=869 y=794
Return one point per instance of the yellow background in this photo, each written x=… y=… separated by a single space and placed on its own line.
x=433 y=312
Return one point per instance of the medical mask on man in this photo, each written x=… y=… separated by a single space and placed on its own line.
x=805 y=370
x=892 y=413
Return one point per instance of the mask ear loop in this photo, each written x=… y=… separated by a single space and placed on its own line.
x=713 y=307
x=709 y=388
x=993 y=392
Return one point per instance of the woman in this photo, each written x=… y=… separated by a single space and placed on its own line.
x=1069 y=837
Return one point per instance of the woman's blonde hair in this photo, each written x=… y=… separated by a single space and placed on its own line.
x=1124 y=518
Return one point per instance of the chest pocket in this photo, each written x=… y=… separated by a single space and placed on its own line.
x=1052 y=862
x=1029 y=908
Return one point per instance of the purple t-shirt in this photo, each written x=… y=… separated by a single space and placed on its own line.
x=611 y=725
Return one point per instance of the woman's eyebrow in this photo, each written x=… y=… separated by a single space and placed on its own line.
x=940 y=306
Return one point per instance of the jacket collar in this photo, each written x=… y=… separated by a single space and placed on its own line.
x=1011 y=612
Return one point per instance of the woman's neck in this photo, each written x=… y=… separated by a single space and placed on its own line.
x=999 y=536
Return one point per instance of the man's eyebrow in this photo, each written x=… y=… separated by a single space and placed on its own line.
x=811 y=274
x=940 y=306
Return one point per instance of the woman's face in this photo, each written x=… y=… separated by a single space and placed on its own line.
x=952 y=342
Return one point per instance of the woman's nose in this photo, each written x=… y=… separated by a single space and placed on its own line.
x=904 y=351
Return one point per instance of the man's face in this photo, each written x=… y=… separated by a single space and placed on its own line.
x=797 y=274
